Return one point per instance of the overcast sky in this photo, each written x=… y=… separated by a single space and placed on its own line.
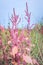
x=6 y=9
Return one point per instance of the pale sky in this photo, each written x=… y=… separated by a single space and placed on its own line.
x=6 y=9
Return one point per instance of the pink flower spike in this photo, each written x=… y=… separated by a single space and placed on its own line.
x=14 y=19
x=27 y=14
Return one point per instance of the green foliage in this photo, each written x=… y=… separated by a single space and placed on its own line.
x=37 y=51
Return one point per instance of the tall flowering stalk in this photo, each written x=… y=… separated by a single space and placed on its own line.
x=14 y=18
x=27 y=14
x=22 y=52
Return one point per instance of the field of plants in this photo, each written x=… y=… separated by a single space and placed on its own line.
x=21 y=46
